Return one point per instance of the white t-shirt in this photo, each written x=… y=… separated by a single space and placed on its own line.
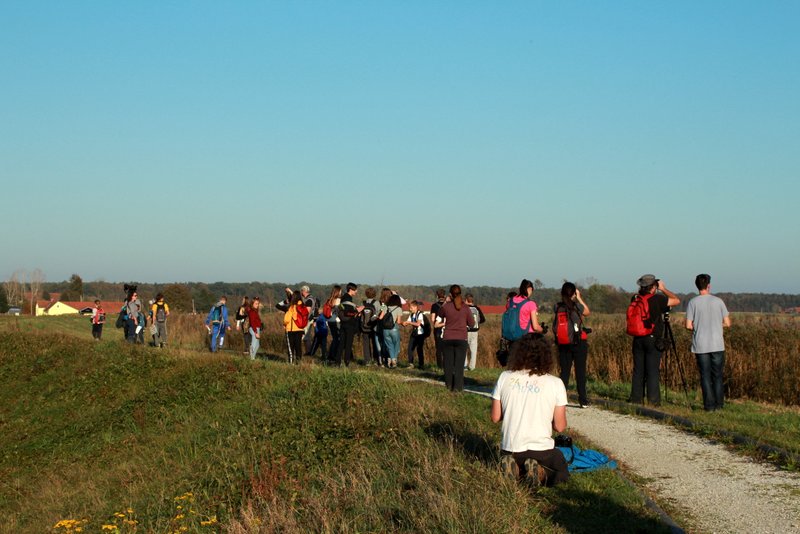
x=528 y=403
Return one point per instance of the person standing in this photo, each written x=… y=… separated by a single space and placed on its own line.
x=472 y=333
x=390 y=313
x=529 y=312
x=320 y=336
x=133 y=307
x=438 y=326
x=416 y=341
x=348 y=315
x=312 y=304
x=217 y=323
x=458 y=319
x=159 y=313
x=370 y=347
x=571 y=339
x=254 y=327
x=531 y=404
x=647 y=348
x=706 y=316
x=242 y=323
x=294 y=322
x=330 y=310
x=98 y=320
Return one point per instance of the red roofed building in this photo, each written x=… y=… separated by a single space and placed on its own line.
x=51 y=307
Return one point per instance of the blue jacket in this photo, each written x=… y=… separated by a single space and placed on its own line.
x=222 y=320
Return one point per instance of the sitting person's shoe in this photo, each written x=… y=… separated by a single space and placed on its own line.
x=509 y=467
x=534 y=473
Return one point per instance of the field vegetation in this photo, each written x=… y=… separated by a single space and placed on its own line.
x=97 y=436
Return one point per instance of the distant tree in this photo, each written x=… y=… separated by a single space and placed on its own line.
x=74 y=291
x=179 y=297
x=15 y=288
x=537 y=284
x=3 y=300
x=35 y=279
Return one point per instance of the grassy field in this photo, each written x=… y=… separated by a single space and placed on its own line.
x=106 y=434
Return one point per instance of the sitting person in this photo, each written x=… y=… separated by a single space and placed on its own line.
x=531 y=403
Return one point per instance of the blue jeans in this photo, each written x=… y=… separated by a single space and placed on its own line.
x=392 y=340
x=255 y=343
x=711 y=366
x=217 y=333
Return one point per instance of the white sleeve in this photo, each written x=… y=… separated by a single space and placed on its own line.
x=499 y=385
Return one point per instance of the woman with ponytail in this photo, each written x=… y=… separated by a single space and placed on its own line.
x=457 y=319
x=572 y=345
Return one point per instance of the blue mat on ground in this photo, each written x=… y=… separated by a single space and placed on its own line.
x=583 y=461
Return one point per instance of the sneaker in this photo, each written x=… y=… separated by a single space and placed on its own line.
x=410 y=365
x=534 y=473
x=585 y=404
x=509 y=467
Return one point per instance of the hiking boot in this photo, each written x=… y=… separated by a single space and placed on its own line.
x=509 y=467
x=534 y=473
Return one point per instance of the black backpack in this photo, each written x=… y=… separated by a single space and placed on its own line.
x=426 y=326
x=388 y=319
x=368 y=317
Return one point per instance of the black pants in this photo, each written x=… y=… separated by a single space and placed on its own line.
x=320 y=341
x=569 y=354
x=369 y=347
x=646 y=373
x=417 y=344
x=555 y=466
x=294 y=343
x=349 y=331
x=454 y=354
x=97 y=330
x=437 y=341
x=335 y=332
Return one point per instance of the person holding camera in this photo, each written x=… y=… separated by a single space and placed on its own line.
x=653 y=300
x=571 y=338
x=706 y=316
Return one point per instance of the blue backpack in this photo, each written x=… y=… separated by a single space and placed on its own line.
x=512 y=331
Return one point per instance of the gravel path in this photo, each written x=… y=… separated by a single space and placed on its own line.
x=716 y=490
x=719 y=491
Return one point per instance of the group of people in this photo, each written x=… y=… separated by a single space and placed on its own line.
x=531 y=404
x=454 y=322
x=134 y=318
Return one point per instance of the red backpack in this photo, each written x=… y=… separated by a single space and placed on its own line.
x=638 y=321
x=327 y=310
x=301 y=319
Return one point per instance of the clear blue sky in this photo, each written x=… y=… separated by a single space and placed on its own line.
x=403 y=142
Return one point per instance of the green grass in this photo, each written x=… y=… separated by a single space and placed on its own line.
x=90 y=430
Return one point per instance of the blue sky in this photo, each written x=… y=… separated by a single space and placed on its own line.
x=404 y=142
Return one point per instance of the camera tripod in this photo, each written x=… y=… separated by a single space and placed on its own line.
x=670 y=348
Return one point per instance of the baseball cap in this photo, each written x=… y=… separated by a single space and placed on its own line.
x=647 y=280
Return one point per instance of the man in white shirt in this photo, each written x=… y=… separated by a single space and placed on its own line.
x=531 y=403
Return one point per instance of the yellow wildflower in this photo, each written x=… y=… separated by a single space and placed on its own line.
x=110 y=527
x=179 y=517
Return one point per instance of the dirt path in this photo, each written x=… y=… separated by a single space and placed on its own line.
x=716 y=490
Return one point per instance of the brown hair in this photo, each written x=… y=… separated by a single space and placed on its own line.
x=455 y=296
x=370 y=293
x=531 y=353
x=386 y=294
x=336 y=292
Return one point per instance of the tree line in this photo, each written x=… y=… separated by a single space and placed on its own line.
x=199 y=296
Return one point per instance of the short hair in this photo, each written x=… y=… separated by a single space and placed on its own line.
x=531 y=353
x=370 y=293
x=351 y=286
x=702 y=281
x=97 y=301
x=440 y=293
x=160 y=296
x=305 y=289
x=468 y=297
x=223 y=297
x=414 y=303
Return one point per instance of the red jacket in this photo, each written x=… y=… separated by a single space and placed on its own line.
x=255 y=319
